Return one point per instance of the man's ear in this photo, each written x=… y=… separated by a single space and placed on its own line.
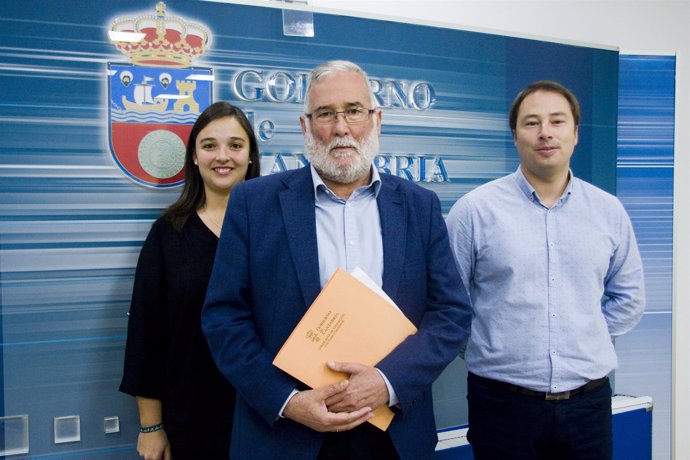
x=303 y=123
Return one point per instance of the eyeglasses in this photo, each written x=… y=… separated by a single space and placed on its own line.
x=352 y=115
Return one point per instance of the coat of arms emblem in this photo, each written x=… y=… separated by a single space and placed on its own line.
x=155 y=98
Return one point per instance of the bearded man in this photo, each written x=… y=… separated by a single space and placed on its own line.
x=282 y=239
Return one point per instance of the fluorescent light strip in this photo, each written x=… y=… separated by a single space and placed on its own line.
x=131 y=37
x=172 y=96
x=200 y=77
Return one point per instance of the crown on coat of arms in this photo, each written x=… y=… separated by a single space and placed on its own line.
x=168 y=41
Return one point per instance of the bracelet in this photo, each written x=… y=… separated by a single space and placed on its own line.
x=151 y=429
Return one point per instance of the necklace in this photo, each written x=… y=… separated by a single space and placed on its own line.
x=215 y=222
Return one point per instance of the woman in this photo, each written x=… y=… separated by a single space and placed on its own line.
x=185 y=404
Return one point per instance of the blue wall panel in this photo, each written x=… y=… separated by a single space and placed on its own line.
x=72 y=223
x=645 y=186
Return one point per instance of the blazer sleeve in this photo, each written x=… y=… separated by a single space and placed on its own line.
x=444 y=327
x=228 y=318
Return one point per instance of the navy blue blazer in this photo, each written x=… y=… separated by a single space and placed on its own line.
x=265 y=276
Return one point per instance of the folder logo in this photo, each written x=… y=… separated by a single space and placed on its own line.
x=313 y=336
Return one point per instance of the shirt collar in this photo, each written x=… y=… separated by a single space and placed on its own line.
x=374 y=185
x=531 y=193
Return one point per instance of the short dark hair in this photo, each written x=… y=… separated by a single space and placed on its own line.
x=544 y=85
x=193 y=195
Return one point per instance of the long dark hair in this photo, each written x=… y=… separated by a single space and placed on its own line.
x=193 y=195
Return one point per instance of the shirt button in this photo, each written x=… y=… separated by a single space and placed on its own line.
x=352 y=242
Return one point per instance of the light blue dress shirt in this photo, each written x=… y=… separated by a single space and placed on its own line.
x=348 y=232
x=550 y=288
x=348 y=235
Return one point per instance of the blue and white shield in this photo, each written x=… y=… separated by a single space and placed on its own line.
x=151 y=112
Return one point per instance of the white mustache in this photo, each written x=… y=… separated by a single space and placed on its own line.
x=343 y=142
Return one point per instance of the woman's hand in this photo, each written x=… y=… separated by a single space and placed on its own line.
x=154 y=445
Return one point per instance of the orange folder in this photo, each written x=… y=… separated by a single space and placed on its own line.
x=348 y=322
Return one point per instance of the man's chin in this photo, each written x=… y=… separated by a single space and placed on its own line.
x=344 y=175
x=345 y=163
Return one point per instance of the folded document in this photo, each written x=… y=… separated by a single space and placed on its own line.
x=347 y=322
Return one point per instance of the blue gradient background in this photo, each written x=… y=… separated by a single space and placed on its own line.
x=645 y=186
x=72 y=224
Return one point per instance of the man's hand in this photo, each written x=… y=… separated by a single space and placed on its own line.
x=366 y=389
x=309 y=408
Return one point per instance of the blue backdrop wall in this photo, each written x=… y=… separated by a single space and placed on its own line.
x=76 y=201
x=645 y=186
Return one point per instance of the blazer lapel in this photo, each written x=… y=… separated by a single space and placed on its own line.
x=392 y=204
x=297 y=205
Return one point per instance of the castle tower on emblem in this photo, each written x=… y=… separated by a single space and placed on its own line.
x=156 y=96
x=186 y=88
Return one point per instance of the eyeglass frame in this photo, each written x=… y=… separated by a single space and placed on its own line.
x=335 y=118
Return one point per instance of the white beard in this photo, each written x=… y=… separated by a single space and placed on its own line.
x=327 y=164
